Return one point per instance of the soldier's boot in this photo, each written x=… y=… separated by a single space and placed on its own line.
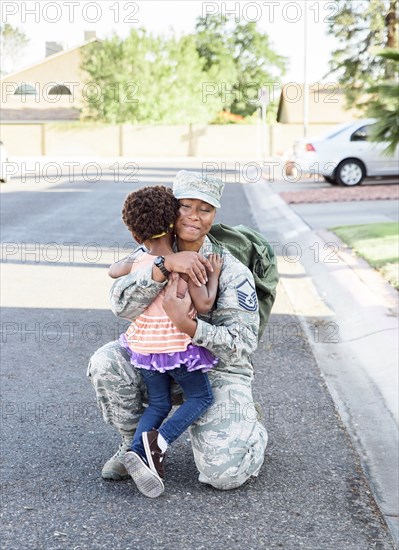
x=114 y=468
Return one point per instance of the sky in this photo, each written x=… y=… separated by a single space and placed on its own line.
x=66 y=21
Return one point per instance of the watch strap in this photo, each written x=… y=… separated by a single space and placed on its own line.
x=160 y=263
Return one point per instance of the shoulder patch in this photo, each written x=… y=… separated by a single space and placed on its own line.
x=246 y=295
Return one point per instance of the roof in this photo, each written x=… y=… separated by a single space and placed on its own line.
x=53 y=56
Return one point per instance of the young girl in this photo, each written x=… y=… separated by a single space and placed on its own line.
x=157 y=347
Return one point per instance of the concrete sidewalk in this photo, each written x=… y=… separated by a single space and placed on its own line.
x=350 y=315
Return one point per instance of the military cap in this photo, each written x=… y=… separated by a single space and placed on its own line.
x=196 y=185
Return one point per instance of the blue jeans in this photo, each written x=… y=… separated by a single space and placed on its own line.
x=198 y=397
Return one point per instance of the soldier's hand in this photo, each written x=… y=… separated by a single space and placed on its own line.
x=192 y=264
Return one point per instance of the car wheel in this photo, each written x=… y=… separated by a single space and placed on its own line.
x=329 y=179
x=350 y=172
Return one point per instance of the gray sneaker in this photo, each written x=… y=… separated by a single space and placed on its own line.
x=147 y=481
x=114 y=467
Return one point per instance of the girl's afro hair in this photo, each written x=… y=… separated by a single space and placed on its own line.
x=150 y=211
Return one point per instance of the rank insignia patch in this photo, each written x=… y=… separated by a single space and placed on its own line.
x=246 y=295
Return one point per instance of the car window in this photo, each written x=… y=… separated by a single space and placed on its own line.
x=361 y=134
x=336 y=131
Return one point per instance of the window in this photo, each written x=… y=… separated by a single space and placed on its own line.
x=336 y=131
x=25 y=89
x=361 y=134
x=59 y=89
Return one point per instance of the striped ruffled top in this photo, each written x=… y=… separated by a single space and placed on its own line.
x=153 y=331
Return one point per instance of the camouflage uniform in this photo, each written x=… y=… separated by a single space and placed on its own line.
x=228 y=440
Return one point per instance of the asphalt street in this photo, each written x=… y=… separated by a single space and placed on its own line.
x=311 y=492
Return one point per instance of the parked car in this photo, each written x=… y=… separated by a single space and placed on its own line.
x=345 y=155
x=4 y=177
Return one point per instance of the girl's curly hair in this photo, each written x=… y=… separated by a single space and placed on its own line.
x=150 y=211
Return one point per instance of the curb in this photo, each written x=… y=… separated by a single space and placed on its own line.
x=367 y=274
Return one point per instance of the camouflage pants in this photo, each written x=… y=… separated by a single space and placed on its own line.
x=228 y=441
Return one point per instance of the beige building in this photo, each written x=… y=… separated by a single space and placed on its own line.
x=53 y=89
x=326 y=104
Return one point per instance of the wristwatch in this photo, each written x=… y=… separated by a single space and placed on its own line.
x=160 y=263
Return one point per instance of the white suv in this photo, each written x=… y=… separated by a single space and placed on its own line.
x=345 y=155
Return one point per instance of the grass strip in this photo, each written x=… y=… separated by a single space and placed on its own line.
x=377 y=243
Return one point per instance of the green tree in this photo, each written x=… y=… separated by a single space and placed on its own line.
x=13 y=43
x=362 y=27
x=215 y=47
x=239 y=60
x=185 y=99
x=147 y=79
x=258 y=66
x=385 y=105
x=124 y=72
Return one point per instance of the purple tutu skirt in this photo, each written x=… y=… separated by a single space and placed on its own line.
x=194 y=358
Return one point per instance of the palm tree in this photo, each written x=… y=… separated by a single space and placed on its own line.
x=385 y=106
